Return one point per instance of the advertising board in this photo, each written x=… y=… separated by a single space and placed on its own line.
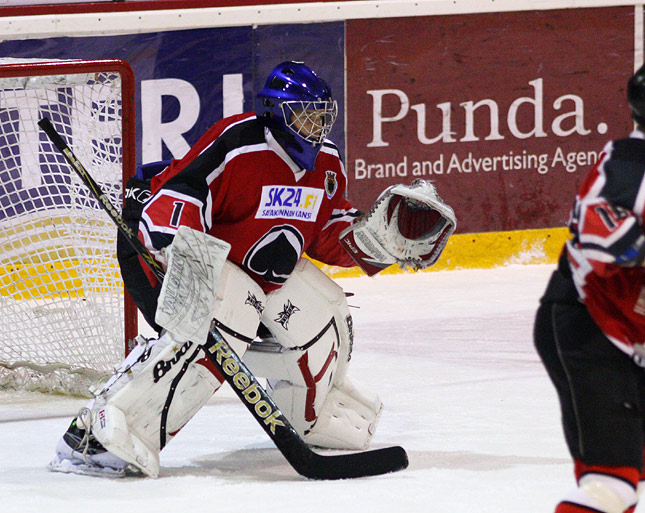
x=504 y=112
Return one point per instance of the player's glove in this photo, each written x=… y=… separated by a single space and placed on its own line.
x=408 y=225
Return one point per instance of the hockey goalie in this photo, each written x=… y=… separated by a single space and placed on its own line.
x=230 y=222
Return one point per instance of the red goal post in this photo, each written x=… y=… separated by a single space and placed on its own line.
x=67 y=320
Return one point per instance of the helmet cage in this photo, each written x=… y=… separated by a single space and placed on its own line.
x=310 y=120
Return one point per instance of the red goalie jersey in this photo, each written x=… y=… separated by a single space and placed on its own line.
x=607 y=249
x=239 y=185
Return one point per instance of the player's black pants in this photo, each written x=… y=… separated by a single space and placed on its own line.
x=601 y=390
x=136 y=282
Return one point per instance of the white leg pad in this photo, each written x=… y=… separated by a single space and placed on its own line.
x=307 y=359
x=162 y=384
x=113 y=432
x=309 y=375
x=239 y=305
x=144 y=405
x=347 y=420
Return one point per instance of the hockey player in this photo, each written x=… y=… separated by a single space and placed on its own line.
x=230 y=222
x=590 y=327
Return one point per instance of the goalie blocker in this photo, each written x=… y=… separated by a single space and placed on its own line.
x=408 y=225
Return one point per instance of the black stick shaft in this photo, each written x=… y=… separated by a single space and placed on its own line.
x=239 y=377
x=102 y=198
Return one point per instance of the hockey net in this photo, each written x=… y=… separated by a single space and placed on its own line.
x=65 y=318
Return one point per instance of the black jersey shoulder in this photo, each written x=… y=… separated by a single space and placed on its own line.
x=629 y=149
x=624 y=171
x=245 y=133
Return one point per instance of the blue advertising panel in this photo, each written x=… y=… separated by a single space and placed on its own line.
x=185 y=81
x=182 y=79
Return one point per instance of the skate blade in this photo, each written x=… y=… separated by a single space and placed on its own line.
x=84 y=469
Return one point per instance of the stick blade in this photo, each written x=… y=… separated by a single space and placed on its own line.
x=349 y=466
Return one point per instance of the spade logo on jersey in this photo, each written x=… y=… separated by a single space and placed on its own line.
x=275 y=255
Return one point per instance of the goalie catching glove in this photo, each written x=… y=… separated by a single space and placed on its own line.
x=408 y=225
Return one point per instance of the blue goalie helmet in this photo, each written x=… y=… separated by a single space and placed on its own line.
x=297 y=106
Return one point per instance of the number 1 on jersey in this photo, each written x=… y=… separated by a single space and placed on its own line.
x=176 y=213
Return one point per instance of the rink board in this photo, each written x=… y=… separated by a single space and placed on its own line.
x=485 y=251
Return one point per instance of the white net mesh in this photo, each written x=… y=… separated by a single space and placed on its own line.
x=61 y=295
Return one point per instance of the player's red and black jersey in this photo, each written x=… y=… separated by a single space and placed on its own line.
x=239 y=185
x=606 y=251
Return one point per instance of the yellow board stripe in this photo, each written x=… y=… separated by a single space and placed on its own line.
x=56 y=279
x=484 y=251
x=463 y=251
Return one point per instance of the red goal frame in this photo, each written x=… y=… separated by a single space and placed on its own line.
x=128 y=132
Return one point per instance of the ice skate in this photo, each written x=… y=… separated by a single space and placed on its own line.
x=78 y=452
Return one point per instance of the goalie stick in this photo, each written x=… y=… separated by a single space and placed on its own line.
x=245 y=385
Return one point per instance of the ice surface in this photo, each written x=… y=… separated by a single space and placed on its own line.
x=451 y=355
